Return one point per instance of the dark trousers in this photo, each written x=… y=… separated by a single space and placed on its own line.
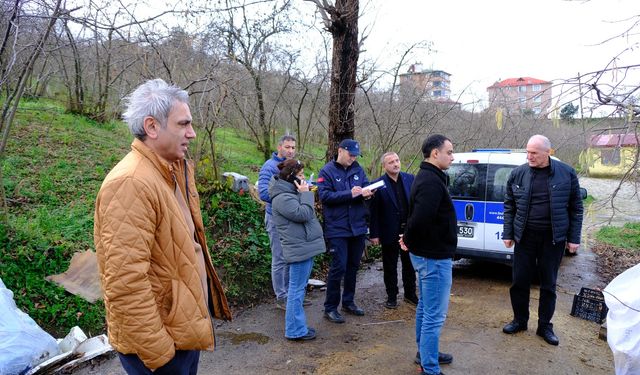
x=185 y=362
x=346 y=253
x=390 y=253
x=536 y=252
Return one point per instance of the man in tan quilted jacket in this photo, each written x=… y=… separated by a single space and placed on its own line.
x=160 y=288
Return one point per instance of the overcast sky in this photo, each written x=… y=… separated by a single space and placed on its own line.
x=480 y=42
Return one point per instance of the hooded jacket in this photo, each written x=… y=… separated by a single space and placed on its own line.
x=147 y=261
x=295 y=219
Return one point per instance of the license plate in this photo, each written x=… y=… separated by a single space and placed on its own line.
x=465 y=231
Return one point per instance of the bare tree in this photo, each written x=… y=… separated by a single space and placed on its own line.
x=247 y=42
x=16 y=73
x=341 y=20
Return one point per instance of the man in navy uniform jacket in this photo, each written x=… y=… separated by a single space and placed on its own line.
x=340 y=188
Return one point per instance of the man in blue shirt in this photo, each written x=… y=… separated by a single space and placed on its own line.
x=279 y=269
x=341 y=189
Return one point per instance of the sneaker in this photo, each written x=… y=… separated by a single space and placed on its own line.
x=281 y=304
x=334 y=317
x=443 y=358
x=311 y=334
x=391 y=304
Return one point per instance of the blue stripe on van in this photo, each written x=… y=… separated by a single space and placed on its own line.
x=494 y=211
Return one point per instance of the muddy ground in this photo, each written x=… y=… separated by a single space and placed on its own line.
x=383 y=341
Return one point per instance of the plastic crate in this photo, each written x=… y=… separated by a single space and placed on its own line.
x=589 y=304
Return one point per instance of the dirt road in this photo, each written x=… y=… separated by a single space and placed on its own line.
x=383 y=341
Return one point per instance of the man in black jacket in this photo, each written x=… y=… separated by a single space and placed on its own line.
x=543 y=216
x=431 y=238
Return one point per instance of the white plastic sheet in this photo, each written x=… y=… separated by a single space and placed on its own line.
x=23 y=344
x=623 y=321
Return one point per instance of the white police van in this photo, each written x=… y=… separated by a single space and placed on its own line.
x=477 y=184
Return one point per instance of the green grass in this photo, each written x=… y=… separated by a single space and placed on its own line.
x=627 y=236
x=237 y=152
x=588 y=200
x=53 y=167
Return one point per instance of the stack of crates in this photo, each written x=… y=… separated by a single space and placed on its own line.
x=589 y=304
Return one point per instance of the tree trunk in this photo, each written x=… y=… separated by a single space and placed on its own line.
x=344 y=28
x=262 y=115
x=76 y=101
x=11 y=101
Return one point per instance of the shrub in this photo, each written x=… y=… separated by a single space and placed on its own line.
x=238 y=243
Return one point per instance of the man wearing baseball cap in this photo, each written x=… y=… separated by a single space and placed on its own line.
x=340 y=187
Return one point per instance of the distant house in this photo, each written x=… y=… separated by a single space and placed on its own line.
x=517 y=96
x=611 y=155
x=434 y=84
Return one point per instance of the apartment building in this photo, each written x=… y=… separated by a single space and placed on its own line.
x=435 y=84
x=523 y=95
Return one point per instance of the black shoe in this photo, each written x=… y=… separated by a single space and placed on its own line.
x=547 y=334
x=334 y=316
x=443 y=358
x=353 y=310
x=411 y=300
x=391 y=304
x=311 y=334
x=514 y=327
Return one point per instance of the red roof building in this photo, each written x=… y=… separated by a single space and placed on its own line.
x=518 y=96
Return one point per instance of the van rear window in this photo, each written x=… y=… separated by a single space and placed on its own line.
x=467 y=181
x=479 y=182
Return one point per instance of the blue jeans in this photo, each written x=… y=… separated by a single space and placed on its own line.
x=279 y=269
x=185 y=362
x=434 y=282
x=346 y=253
x=295 y=322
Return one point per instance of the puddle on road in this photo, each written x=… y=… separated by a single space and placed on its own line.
x=241 y=338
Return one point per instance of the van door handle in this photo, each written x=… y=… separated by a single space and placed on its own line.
x=468 y=211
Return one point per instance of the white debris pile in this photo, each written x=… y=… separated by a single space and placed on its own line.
x=25 y=348
x=623 y=321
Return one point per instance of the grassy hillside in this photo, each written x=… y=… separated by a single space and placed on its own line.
x=53 y=167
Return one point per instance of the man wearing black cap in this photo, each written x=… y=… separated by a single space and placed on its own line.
x=341 y=189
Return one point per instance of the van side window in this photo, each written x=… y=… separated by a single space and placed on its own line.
x=497 y=181
x=467 y=181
